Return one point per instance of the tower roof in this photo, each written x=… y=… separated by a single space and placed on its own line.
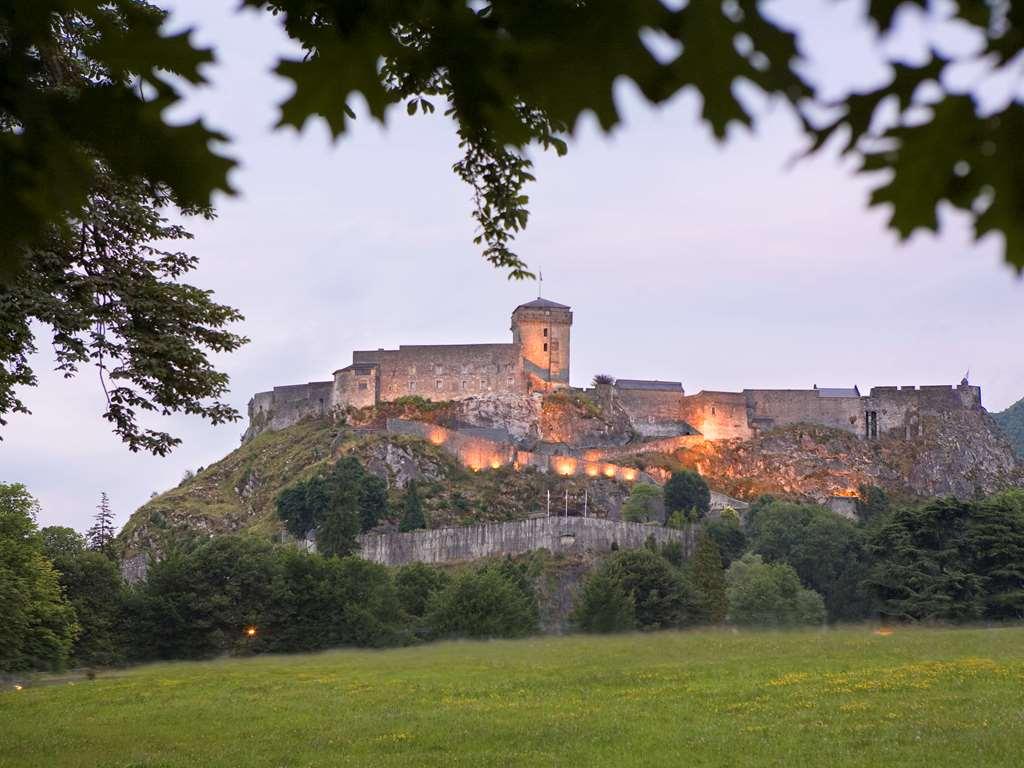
x=542 y=304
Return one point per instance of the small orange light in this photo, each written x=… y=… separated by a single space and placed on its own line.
x=883 y=631
x=495 y=463
x=18 y=687
x=250 y=631
x=592 y=471
x=609 y=471
x=630 y=474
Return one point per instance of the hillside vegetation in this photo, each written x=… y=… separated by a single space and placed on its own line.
x=1011 y=421
x=851 y=697
x=239 y=492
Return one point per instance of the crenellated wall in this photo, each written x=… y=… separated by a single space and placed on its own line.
x=561 y=535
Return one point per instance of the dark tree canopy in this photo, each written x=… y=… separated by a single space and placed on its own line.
x=686 y=492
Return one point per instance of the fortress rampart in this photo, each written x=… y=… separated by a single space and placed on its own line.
x=537 y=359
x=559 y=535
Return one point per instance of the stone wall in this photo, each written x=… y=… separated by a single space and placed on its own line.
x=284 y=406
x=717 y=415
x=446 y=371
x=900 y=409
x=563 y=535
x=771 y=408
x=653 y=413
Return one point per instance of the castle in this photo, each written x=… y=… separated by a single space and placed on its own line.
x=537 y=361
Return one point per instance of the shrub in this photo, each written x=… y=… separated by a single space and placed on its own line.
x=729 y=537
x=707 y=577
x=769 y=595
x=416 y=584
x=482 y=603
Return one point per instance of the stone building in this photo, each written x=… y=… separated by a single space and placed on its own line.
x=537 y=360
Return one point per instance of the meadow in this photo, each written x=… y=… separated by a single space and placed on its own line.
x=846 y=697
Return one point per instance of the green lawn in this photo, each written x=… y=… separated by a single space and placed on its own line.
x=850 y=697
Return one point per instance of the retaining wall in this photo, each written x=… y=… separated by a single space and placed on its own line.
x=556 y=534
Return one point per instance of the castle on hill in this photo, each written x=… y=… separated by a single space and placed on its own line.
x=537 y=360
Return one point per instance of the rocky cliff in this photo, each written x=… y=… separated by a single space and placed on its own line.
x=959 y=453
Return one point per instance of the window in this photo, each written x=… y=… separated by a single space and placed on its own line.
x=412 y=386
x=545 y=346
x=362 y=385
x=483 y=382
x=545 y=331
x=871 y=424
x=439 y=385
x=465 y=386
x=412 y=370
x=712 y=410
x=511 y=381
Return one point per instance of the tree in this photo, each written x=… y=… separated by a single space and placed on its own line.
x=373 y=501
x=827 y=552
x=951 y=560
x=412 y=509
x=729 y=537
x=604 y=606
x=655 y=588
x=37 y=625
x=87 y=99
x=101 y=535
x=92 y=584
x=92 y=173
x=770 y=595
x=338 y=504
x=482 y=603
x=645 y=504
x=687 y=492
x=61 y=541
x=707 y=577
x=872 y=502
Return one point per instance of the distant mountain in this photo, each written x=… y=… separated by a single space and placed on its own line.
x=1011 y=421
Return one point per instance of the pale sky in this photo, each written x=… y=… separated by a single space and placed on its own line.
x=723 y=266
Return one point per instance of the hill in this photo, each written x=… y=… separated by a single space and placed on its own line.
x=238 y=493
x=1011 y=421
x=850 y=697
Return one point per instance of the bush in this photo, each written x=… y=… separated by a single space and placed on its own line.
x=687 y=492
x=412 y=509
x=654 y=587
x=416 y=584
x=769 y=595
x=482 y=603
x=644 y=504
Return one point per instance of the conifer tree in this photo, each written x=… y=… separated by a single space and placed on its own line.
x=412 y=512
x=101 y=535
x=708 y=578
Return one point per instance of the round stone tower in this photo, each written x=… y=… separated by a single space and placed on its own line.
x=541 y=328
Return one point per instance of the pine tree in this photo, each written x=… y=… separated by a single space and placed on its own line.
x=708 y=578
x=101 y=535
x=412 y=513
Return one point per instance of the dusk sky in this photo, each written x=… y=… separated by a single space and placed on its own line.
x=723 y=266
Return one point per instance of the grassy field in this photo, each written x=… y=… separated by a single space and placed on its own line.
x=716 y=698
